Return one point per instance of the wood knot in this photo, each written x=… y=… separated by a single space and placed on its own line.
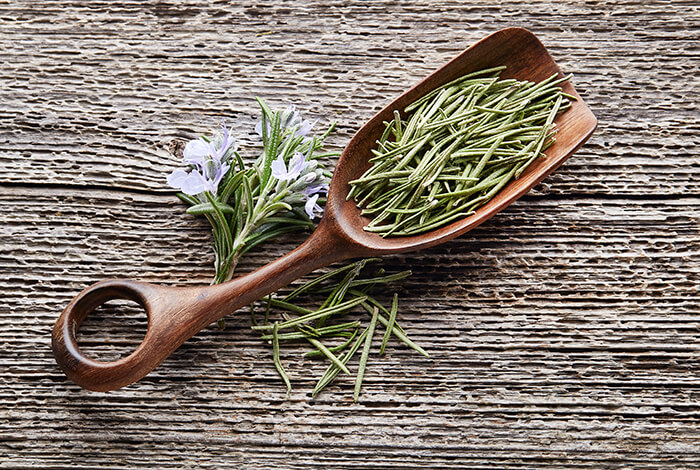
x=176 y=147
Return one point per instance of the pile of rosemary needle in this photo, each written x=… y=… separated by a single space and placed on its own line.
x=455 y=148
x=342 y=290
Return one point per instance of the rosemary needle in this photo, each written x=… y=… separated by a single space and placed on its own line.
x=365 y=354
x=325 y=331
x=318 y=280
x=390 y=325
x=327 y=352
x=398 y=333
x=276 y=359
x=319 y=345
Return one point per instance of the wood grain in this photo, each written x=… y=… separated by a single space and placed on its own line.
x=563 y=333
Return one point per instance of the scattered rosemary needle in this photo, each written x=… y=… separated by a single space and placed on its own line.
x=341 y=293
x=390 y=326
x=276 y=358
x=365 y=353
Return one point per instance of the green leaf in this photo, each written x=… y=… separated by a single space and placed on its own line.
x=208 y=208
x=267 y=112
x=390 y=325
x=365 y=354
x=289 y=221
x=334 y=370
x=188 y=199
x=338 y=348
x=277 y=361
x=222 y=224
x=329 y=354
x=271 y=153
x=265 y=118
x=231 y=185
x=248 y=196
x=237 y=219
x=338 y=293
x=289 y=146
x=323 y=277
x=341 y=307
x=239 y=160
x=397 y=330
x=274 y=208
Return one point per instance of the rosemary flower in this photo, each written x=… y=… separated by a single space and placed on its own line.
x=208 y=164
x=290 y=118
x=302 y=181
x=248 y=204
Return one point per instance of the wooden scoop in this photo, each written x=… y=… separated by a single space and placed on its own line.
x=177 y=313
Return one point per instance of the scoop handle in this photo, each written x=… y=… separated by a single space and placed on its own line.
x=177 y=313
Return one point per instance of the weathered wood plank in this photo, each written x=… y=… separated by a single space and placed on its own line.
x=91 y=109
x=562 y=334
x=585 y=304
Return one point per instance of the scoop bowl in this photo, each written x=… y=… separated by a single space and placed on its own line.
x=526 y=59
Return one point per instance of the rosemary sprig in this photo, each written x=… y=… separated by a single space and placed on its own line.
x=323 y=312
x=247 y=205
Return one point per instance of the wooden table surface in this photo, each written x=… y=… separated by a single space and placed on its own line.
x=564 y=333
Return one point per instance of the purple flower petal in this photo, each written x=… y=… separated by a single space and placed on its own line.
x=193 y=184
x=208 y=165
x=305 y=128
x=176 y=178
x=196 y=151
x=279 y=169
x=258 y=128
x=296 y=165
x=221 y=172
x=318 y=188
x=222 y=143
x=226 y=136
x=311 y=205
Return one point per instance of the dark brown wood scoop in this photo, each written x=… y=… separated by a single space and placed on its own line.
x=177 y=313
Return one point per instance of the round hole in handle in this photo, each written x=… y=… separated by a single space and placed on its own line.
x=108 y=321
x=113 y=330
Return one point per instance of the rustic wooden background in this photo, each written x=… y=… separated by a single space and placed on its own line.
x=564 y=333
